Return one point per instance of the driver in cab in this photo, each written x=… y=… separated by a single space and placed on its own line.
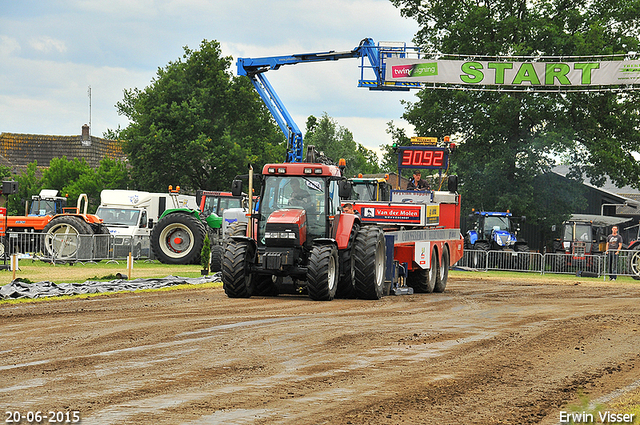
x=298 y=195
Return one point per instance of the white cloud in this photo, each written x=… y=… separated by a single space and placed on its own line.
x=48 y=45
x=120 y=44
x=8 y=45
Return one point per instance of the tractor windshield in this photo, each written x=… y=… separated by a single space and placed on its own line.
x=308 y=193
x=364 y=191
x=496 y=223
x=217 y=205
x=43 y=207
x=577 y=232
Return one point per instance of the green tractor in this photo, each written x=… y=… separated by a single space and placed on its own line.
x=179 y=235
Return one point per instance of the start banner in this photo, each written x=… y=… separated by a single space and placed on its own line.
x=514 y=74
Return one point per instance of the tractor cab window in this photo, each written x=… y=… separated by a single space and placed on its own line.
x=43 y=207
x=210 y=205
x=496 y=223
x=582 y=233
x=226 y=203
x=282 y=192
x=364 y=191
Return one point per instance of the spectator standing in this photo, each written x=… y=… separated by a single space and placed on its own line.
x=614 y=245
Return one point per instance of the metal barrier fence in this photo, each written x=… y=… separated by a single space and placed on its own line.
x=626 y=263
x=75 y=248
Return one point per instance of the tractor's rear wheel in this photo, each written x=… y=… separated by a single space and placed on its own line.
x=237 y=282
x=63 y=240
x=523 y=256
x=178 y=239
x=346 y=282
x=443 y=272
x=634 y=263
x=369 y=263
x=424 y=280
x=322 y=273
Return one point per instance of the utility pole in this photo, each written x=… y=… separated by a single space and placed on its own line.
x=89 y=94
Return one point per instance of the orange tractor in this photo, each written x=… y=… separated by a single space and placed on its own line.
x=54 y=230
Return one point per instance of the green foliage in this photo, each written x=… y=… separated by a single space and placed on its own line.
x=197 y=125
x=205 y=254
x=337 y=142
x=506 y=140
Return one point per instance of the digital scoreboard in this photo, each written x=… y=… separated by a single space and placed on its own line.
x=422 y=157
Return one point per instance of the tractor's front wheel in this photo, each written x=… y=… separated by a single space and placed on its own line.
x=237 y=281
x=322 y=273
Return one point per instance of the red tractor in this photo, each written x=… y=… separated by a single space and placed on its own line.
x=299 y=241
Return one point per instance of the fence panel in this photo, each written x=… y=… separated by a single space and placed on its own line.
x=515 y=261
x=73 y=247
x=587 y=264
x=473 y=259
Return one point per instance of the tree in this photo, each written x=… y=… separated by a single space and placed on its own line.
x=508 y=139
x=73 y=178
x=196 y=125
x=337 y=142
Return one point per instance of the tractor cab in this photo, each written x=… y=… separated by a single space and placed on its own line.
x=370 y=189
x=47 y=203
x=298 y=204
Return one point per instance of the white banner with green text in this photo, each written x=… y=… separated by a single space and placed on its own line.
x=534 y=74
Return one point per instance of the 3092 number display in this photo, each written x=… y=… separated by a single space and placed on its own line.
x=422 y=157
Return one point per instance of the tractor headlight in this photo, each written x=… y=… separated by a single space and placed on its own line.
x=280 y=237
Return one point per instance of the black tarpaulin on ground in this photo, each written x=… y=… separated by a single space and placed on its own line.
x=18 y=289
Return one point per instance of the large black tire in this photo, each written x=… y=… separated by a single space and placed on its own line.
x=443 y=273
x=217 y=252
x=369 y=262
x=178 y=239
x=102 y=246
x=237 y=282
x=523 y=256
x=236 y=228
x=633 y=262
x=346 y=281
x=479 y=259
x=424 y=280
x=63 y=238
x=322 y=273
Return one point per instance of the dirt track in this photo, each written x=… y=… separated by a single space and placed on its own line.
x=486 y=351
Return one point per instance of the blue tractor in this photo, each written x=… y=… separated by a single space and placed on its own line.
x=496 y=231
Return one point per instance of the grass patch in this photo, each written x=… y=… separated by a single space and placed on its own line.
x=584 y=409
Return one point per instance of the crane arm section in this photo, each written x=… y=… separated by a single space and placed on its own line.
x=255 y=69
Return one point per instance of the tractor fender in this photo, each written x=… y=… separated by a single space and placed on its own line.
x=194 y=213
x=342 y=232
x=473 y=237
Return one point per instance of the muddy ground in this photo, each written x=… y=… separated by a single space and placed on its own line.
x=487 y=351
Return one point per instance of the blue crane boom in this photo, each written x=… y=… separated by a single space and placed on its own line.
x=255 y=69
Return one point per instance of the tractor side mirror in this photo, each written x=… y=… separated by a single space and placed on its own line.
x=150 y=223
x=524 y=219
x=236 y=188
x=344 y=189
x=452 y=183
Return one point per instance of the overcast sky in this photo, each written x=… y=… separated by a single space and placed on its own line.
x=52 y=51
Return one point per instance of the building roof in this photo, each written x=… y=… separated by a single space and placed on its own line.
x=19 y=150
